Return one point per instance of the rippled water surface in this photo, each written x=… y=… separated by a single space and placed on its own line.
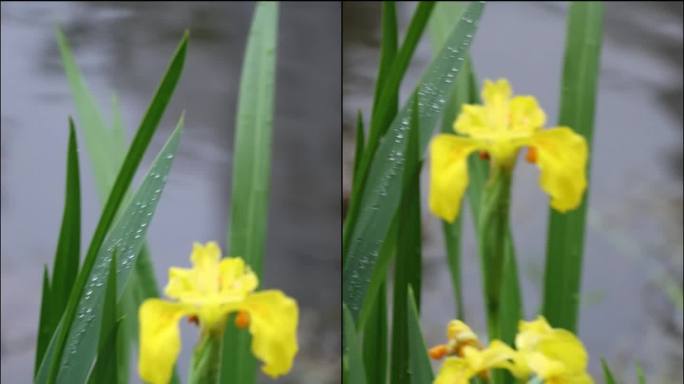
x=124 y=48
x=632 y=303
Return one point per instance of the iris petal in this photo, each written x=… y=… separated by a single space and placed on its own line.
x=273 y=325
x=159 y=339
x=562 y=159
x=449 y=174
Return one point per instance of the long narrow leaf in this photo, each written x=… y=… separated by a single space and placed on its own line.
x=375 y=346
x=407 y=265
x=65 y=267
x=106 y=148
x=381 y=195
x=251 y=173
x=565 y=241
x=419 y=363
x=105 y=369
x=385 y=103
x=126 y=237
x=352 y=362
x=440 y=24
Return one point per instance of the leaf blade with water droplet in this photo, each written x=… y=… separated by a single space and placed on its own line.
x=381 y=195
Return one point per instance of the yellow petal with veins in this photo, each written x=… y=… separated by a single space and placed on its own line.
x=472 y=121
x=159 y=339
x=237 y=280
x=448 y=174
x=273 y=325
x=562 y=160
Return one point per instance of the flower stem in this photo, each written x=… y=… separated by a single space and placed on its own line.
x=206 y=360
x=493 y=226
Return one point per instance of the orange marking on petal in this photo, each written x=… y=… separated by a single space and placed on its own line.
x=193 y=319
x=438 y=352
x=242 y=320
x=484 y=155
x=531 y=155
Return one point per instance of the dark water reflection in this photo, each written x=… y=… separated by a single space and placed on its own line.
x=124 y=48
x=632 y=287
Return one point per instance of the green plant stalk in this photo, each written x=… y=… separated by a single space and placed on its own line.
x=493 y=229
x=205 y=366
x=375 y=339
x=565 y=239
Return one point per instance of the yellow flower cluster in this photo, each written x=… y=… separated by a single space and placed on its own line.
x=206 y=294
x=553 y=355
x=498 y=129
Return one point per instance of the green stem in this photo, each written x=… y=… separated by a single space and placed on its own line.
x=493 y=228
x=206 y=360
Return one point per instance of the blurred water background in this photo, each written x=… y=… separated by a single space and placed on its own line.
x=124 y=48
x=632 y=283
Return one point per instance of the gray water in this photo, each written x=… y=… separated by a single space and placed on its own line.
x=631 y=293
x=123 y=48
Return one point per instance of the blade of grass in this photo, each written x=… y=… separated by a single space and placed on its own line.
x=65 y=266
x=74 y=347
x=106 y=149
x=607 y=374
x=440 y=25
x=407 y=265
x=375 y=348
x=47 y=322
x=641 y=378
x=137 y=149
x=360 y=143
x=352 y=362
x=105 y=369
x=565 y=240
x=251 y=173
x=419 y=363
x=388 y=53
x=381 y=196
x=385 y=106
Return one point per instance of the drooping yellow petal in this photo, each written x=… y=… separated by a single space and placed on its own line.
x=237 y=280
x=562 y=159
x=159 y=339
x=525 y=114
x=472 y=121
x=273 y=325
x=454 y=371
x=555 y=355
x=448 y=174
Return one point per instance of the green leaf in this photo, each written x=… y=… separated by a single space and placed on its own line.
x=360 y=143
x=375 y=347
x=407 y=266
x=352 y=362
x=419 y=362
x=565 y=241
x=440 y=26
x=107 y=148
x=47 y=322
x=105 y=370
x=381 y=196
x=607 y=374
x=251 y=173
x=386 y=96
x=74 y=347
x=66 y=261
x=65 y=266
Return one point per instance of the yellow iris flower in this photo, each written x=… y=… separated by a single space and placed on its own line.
x=555 y=355
x=498 y=129
x=551 y=354
x=207 y=293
